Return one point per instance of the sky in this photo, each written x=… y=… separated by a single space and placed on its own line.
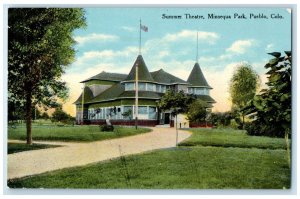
x=110 y=43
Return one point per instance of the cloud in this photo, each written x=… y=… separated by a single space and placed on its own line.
x=128 y=28
x=75 y=87
x=163 y=53
x=91 y=58
x=269 y=47
x=94 y=37
x=163 y=47
x=209 y=37
x=240 y=46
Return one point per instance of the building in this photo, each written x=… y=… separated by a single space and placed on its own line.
x=112 y=95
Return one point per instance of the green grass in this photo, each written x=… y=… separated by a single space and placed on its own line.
x=239 y=162
x=75 y=133
x=19 y=147
x=231 y=138
x=184 y=168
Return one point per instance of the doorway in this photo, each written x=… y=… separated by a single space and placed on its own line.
x=167 y=118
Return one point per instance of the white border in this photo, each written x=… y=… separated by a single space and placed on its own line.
x=179 y=193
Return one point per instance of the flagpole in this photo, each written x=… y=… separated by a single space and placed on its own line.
x=140 y=37
x=82 y=102
x=197 y=49
x=136 y=95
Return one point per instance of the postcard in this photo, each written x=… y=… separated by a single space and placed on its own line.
x=147 y=98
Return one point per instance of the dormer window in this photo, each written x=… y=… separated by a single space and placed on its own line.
x=198 y=91
x=129 y=86
x=142 y=86
x=151 y=87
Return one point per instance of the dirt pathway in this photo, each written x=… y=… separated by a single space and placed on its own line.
x=77 y=154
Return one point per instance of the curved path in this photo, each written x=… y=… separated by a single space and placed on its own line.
x=77 y=154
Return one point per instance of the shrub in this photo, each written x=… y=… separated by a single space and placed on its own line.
x=259 y=129
x=106 y=127
x=234 y=124
x=197 y=111
x=221 y=119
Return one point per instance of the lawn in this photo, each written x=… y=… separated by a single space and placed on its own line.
x=184 y=167
x=19 y=147
x=72 y=133
x=232 y=138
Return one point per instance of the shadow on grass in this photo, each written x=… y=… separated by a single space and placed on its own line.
x=20 y=147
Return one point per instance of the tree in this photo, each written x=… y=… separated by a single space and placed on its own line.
x=15 y=112
x=273 y=106
x=221 y=119
x=60 y=116
x=45 y=116
x=40 y=46
x=243 y=86
x=197 y=111
x=177 y=102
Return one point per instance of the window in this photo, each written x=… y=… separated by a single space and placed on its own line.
x=151 y=87
x=90 y=114
x=198 y=91
x=158 y=88
x=142 y=86
x=163 y=88
x=152 y=112
x=129 y=86
x=127 y=112
x=104 y=113
x=118 y=112
x=206 y=92
x=99 y=113
x=107 y=112
x=142 y=110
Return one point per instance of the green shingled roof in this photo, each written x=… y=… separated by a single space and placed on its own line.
x=197 y=78
x=143 y=73
x=116 y=77
x=206 y=98
x=117 y=91
x=111 y=93
x=88 y=95
x=162 y=76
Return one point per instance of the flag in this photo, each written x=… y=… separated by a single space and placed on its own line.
x=144 y=28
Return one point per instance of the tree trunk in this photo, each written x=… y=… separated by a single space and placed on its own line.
x=28 y=118
x=288 y=151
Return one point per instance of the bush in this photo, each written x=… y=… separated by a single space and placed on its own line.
x=257 y=129
x=234 y=124
x=106 y=127
x=197 y=111
x=221 y=119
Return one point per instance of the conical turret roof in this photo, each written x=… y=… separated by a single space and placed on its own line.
x=143 y=72
x=197 y=78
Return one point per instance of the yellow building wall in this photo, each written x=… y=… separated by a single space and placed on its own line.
x=181 y=118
